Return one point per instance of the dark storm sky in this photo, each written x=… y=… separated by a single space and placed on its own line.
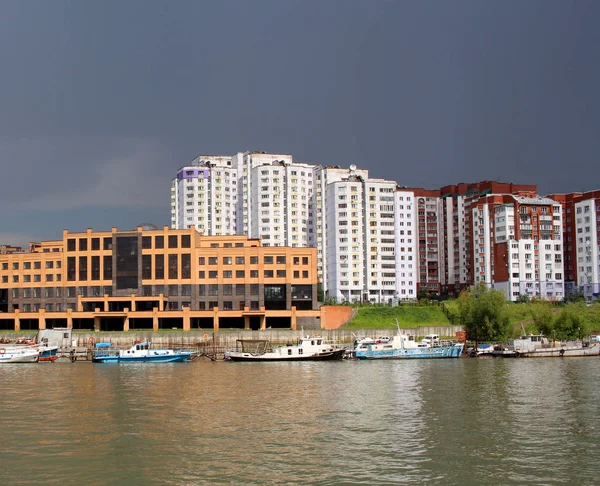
x=101 y=102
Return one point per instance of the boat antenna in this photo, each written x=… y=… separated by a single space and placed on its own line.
x=398 y=326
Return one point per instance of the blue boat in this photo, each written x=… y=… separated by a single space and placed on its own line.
x=142 y=352
x=404 y=346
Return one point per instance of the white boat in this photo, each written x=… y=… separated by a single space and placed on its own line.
x=539 y=346
x=19 y=354
x=313 y=348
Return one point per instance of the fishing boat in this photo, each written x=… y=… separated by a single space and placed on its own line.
x=539 y=346
x=141 y=352
x=404 y=346
x=44 y=350
x=19 y=354
x=313 y=348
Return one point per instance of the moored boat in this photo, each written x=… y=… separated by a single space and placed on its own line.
x=19 y=354
x=313 y=348
x=404 y=346
x=538 y=346
x=139 y=353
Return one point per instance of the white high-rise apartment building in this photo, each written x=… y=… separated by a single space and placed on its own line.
x=364 y=229
x=587 y=240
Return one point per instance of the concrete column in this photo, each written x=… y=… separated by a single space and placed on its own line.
x=126 y=322
x=105 y=302
x=216 y=319
x=132 y=302
x=79 y=304
x=186 y=318
x=17 y=320
x=42 y=319
x=97 y=321
x=246 y=322
x=293 y=319
x=161 y=304
x=69 y=318
x=263 y=323
x=155 y=318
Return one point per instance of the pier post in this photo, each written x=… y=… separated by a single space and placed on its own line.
x=155 y=318
x=186 y=318
x=17 y=320
x=246 y=321
x=42 y=319
x=215 y=319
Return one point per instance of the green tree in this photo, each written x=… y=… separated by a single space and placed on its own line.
x=320 y=293
x=543 y=317
x=568 y=324
x=482 y=312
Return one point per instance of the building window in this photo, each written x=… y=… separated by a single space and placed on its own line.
x=172 y=241
x=185 y=241
x=186 y=266
x=201 y=289
x=147 y=267
x=173 y=290
x=212 y=304
x=280 y=273
x=253 y=273
x=304 y=260
x=146 y=242
x=71 y=244
x=159 y=242
x=240 y=289
x=159 y=266
x=95 y=268
x=268 y=260
x=254 y=304
x=95 y=244
x=173 y=270
x=227 y=305
x=240 y=274
x=107 y=243
x=253 y=260
x=296 y=260
x=240 y=260
x=227 y=260
x=253 y=289
x=281 y=260
x=213 y=261
x=268 y=273
x=227 y=289
x=71 y=269
x=213 y=274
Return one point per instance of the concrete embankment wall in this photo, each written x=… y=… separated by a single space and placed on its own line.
x=227 y=339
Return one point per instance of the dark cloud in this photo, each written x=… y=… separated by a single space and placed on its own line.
x=103 y=101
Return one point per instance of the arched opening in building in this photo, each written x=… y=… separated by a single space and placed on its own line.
x=279 y=323
x=80 y=324
x=52 y=323
x=30 y=324
x=7 y=324
x=173 y=323
x=140 y=323
x=231 y=323
x=112 y=324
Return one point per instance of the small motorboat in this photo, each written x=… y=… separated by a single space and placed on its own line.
x=19 y=354
x=142 y=352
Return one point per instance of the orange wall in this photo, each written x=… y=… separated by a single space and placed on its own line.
x=333 y=316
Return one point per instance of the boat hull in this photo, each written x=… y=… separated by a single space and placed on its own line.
x=437 y=352
x=143 y=359
x=19 y=358
x=327 y=356
x=564 y=352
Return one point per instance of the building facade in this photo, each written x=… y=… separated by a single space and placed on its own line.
x=152 y=278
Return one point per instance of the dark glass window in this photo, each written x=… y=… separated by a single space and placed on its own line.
x=280 y=273
x=253 y=273
x=227 y=274
x=214 y=245
x=107 y=267
x=107 y=243
x=227 y=305
x=71 y=291
x=240 y=274
x=227 y=260
x=240 y=289
x=159 y=266
x=239 y=245
x=296 y=260
x=172 y=241
x=201 y=289
x=202 y=274
x=253 y=289
x=173 y=270
x=213 y=274
x=147 y=267
x=146 y=242
x=71 y=244
x=213 y=260
x=71 y=269
x=268 y=273
x=281 y=260
x=95 y=244
x=213 y=289
x=227 y=289
x=296 y=273
x=201 y=305
x=212 y=304
x=186 y=265
x=159 y=289
x=202 y=260
x=185 y=241
x=254 y=304
x=82 y=244
x=304 y=260
x=127 y=262
x=268 y=260
x=274 y=292
x=37 y=265
x=239 y=260
x=146 y=290
x=300 y=292
x=186 y=289
x=159 y=242
x=227 y=245
x=253 y=260
x=304 y=273
x=173 y=290
x=95 y=268
x=108 y=290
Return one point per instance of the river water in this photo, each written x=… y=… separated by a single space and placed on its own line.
x=464 y=421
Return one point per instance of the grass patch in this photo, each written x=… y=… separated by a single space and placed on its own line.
x=380 y=317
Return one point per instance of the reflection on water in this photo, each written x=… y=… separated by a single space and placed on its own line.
x=446 y=422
